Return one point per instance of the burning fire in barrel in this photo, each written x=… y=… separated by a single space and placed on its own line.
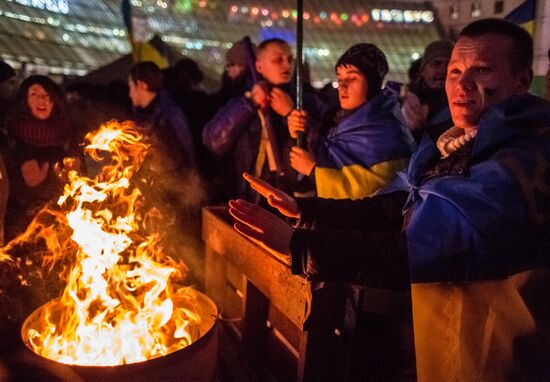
x=122 y=304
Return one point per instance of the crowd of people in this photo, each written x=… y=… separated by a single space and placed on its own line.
x=439 y=186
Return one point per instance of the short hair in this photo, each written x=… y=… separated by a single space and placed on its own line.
x=149 y=73
x=264 y=44
x=521 y=56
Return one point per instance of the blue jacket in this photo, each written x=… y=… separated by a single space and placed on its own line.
x=491 y=223
x=236 y=130
x=364 y=151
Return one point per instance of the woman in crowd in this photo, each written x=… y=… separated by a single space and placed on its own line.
x=38 y=130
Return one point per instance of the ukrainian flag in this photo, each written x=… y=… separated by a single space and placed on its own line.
x=141 y=50
x=524 y=15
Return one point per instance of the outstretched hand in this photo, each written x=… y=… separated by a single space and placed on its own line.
x=262 y=227
x=276 y=198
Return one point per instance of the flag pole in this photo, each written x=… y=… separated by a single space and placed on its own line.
x=299 y=64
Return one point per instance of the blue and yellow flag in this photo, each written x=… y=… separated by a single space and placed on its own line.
x=524 y=15
x=141 y=50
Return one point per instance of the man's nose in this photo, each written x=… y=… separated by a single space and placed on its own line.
x=466 y=81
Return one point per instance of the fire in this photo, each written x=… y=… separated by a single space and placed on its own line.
x=120 y=304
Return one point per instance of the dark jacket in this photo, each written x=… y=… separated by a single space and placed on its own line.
x=164 y=120
x=236 y=130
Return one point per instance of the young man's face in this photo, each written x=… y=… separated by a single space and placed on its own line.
x=352 y=87
x=479 y=76
x=274 y=63
x=234 y=70
x=39 y=102
x=434 y=73
x=134 y=92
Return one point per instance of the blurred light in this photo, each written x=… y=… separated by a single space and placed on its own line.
x=316 y=19
x=335 y=84
x=234 y=9
x=323 y=15
x=244 y=9
x=255 y=11
x=285 y=13
x=202 y=3
x=274 y=15
x=306 y=16
x=415 y=56
x=334 y=16
x=295 y=14
x=265 y=12
x=344 y=16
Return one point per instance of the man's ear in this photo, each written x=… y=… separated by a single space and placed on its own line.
x=524 y=80
x=259 y=67
x=142 y=86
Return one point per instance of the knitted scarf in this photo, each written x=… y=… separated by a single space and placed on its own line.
x=41 y=133
x=453 y=139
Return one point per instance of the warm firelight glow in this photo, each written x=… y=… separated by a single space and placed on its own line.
x=120 y=304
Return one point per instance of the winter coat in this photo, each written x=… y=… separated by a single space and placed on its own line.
x=236 y=131
x=477 y=249
x=364 y=151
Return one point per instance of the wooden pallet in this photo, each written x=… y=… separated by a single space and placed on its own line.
x=263 y=309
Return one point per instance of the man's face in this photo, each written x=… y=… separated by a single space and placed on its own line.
x=479 y=76
x=134 y=93
x=434 y=73
x=8 y=88
x=234 y=70
x=274 y=63
x=352 y=87
x=39 y=101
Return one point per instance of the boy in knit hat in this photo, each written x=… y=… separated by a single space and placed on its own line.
x=426 y=98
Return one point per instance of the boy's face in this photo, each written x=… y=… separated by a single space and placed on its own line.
x=352 y=87
x=274 y=63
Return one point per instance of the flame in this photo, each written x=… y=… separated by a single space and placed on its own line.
x=120 y=304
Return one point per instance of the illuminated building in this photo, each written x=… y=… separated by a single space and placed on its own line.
x=73 y=37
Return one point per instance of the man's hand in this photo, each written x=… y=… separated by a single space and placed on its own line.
x=302 y=160
x=296 y=121
x=280 y=102
x=32 y=174
x=414 y=114
x=262 y=227
x=276 y=198
x=260 y=95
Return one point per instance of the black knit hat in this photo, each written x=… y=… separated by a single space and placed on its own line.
x=6 y=71
x=370 y=61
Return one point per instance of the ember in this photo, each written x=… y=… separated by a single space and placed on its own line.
x=120 y=304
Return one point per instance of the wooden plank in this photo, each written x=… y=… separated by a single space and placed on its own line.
x=254 y=331
x=286 y=291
